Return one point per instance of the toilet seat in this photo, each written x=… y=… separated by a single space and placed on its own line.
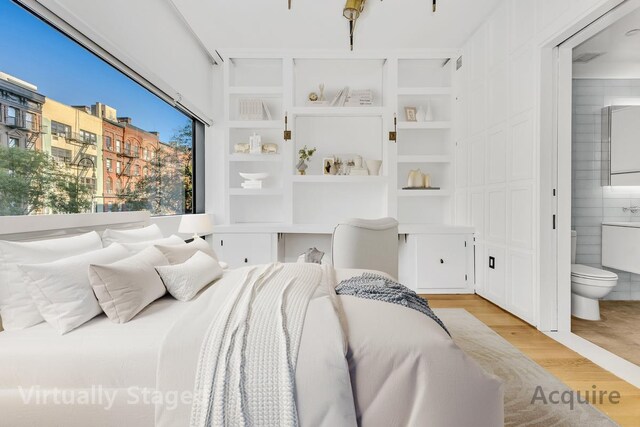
x=592 y=276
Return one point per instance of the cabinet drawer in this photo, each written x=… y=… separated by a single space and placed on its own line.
x=240 y=250
x=442 y=261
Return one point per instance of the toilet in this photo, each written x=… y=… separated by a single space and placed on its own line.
x=588 y=286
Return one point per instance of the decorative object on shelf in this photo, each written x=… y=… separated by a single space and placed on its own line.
x=357 y=168
x=328 y=166
x=374 y=167
x=410 y=114
x=269 y=148
x=359 y=98
x=393 y=135
x=304 y=154
x=313 y=97
x=321 y=87
x=337 y=164
x=196 y=224
x=420 y=114
x=253 y=180
x=340 y=98
x=253 y=109
x=415 y=179
x=255 y=144
x=242 y=148
x=287 y=132
x=428 y=116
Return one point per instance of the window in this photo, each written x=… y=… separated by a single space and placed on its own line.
x=61 y=154
x=75 y=76
x=11 y=116
x=60 y=129
x=14 y=142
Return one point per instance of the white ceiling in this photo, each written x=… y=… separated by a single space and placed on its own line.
x=319 y=24
x=621 y=57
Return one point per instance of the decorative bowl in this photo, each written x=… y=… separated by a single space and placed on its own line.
x=254 y=176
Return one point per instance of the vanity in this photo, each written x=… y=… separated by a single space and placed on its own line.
x=621 y=246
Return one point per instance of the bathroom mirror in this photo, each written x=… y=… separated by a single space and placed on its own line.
x=621 y=146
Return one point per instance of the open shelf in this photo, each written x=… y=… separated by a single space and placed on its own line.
x=255 y=90
x=256 y=192
x=339 y=111
x=424 y=125
x=423 y=193
x=255 y=158
x=362 y=179
x=256 y=124
x=425 y=159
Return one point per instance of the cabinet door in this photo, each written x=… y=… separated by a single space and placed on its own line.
x=240 y=250
x=442 y=262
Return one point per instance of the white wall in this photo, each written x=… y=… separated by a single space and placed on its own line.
x=149 y=37
x=501 y=189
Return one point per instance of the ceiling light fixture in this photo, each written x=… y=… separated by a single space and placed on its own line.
x=353 y=9
x=633 y=32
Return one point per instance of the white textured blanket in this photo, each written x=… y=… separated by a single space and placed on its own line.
x=246 y=370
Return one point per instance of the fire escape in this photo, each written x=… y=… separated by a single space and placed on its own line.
x=25 y=125
x=81 y=161
x=128 y=156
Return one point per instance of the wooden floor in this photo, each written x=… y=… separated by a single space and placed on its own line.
x=618 y=331
x=574 y=370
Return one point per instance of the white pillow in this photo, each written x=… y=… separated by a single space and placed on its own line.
x=61 y=289
x=151 y=232
x=17 y=309
x=127 y=286
x=177 y=254
x=168 y=241
x=184 y=281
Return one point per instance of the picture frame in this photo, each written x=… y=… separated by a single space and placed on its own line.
x=327 y=165
x=411 y=114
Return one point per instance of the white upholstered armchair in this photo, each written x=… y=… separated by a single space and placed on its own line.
x=366 y=244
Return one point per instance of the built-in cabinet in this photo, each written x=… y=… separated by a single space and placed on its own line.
x=296 y=209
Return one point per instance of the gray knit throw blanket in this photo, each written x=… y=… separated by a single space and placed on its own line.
x=381 y=288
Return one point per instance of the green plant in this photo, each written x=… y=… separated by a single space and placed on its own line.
x=306 y=153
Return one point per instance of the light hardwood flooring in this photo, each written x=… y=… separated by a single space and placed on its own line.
x=574 y=370
x=618 y=331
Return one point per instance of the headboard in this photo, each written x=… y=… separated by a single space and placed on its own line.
x=41 y=227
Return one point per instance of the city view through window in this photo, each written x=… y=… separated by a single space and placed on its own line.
x=78 y=136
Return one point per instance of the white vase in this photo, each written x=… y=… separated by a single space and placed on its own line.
x=415 y=179
x=421 y=115
x=374 y=167
x=428 y=117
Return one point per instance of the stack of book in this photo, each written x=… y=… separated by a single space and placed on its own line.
x=252 y=185
x=359 y=98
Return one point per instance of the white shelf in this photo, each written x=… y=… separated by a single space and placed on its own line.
x=256 y=192
x=423 y=193
x=425 y=159
x=255 y=90
x=256 y=124
x=424 y=91
x=339 y=111
x=357 y=179
x=255 y=158
x=424 y=125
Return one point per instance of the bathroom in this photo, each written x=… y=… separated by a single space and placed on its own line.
x=606 y=188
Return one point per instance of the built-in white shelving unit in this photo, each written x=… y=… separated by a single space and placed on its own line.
x=283 y=84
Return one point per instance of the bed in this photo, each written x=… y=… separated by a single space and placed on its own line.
x=374 y=364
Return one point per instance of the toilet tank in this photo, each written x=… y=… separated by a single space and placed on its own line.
x=574 y=240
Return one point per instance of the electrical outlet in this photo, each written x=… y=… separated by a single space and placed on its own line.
x=492 y=263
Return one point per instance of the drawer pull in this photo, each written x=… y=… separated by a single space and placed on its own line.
x=246 y=260
x=441 y=261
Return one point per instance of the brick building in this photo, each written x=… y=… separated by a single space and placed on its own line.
x=20 y=113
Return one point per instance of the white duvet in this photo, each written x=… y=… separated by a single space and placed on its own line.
x=375 y=364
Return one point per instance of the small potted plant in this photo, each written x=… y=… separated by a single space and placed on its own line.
x=304 y=154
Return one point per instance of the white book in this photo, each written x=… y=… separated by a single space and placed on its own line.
x=267 y=112
x=336 y=98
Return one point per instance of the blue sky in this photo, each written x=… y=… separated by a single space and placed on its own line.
x=68 y=73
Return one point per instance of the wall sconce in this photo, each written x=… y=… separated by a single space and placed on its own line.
x=287 y=132
x=393 y=135
x=352 y=10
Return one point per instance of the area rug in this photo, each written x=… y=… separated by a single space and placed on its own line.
x=522 y=377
